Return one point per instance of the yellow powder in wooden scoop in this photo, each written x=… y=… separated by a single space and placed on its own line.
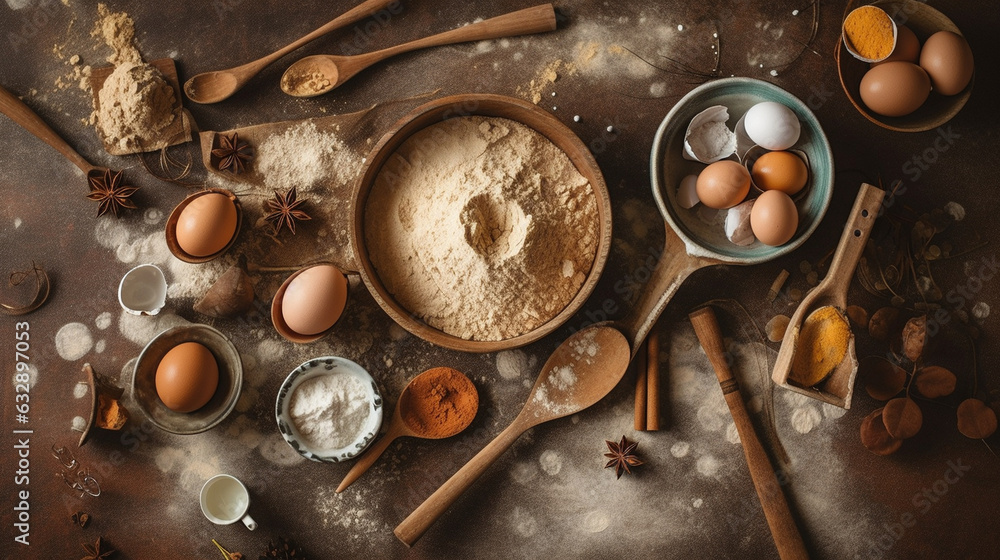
x=821 y=346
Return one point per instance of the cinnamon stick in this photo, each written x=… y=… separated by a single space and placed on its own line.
x=653 y=381
x=640 y=391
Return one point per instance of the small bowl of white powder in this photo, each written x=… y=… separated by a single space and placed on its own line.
x=329 y=409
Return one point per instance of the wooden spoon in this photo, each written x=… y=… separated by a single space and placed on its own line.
x=212 y=87
x=399 y=427
x=832 y=291
x=597 y=357
x=20 y=113
x=786 y=535
x=318 y=74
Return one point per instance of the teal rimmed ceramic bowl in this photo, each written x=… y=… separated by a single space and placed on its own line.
x=668 y=167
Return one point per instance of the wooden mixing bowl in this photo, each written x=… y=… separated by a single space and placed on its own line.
x=924 y=21
x=491 y=106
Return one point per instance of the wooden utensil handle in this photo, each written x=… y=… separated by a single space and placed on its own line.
x=856 y=231
x=367 y=459
x=417 y=523
x=20 y=113
x=538 y=19
x=786 y=535
x=355 y=14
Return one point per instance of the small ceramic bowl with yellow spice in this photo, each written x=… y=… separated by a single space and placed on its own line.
x=329 y=409
x=910 y=69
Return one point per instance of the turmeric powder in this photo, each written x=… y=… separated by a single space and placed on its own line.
x=821 y=346
x=868 y=31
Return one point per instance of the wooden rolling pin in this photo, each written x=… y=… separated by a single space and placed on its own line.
x=779 y=518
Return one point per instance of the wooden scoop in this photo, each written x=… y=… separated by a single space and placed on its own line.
x=212 y=87
x=318 y=74
x=597 y=357
x=400 y=427
x=832 y=291
x=20 y=113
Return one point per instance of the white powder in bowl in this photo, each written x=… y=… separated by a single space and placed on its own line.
x=329 y=411
x=481 y=227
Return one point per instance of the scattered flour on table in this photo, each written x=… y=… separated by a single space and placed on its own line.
x=513 y=364
x=523 y=522
x=680 y=449
x=305 y=157
x=80 y=390
x=79 y=424
x=595 y=521
x=103 y=320
x=551 y=462
x=707 y=465
x=732 y=434
x=142 y=329
x=73 y=341
x=523 y=473
x=276 y=450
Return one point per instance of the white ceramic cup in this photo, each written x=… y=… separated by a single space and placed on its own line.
x=225 y=500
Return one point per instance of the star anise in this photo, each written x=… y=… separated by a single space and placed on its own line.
x=285 y=550
x=622 y=456
x=107 y=188
x=283 y=210
x=97 y=551
x=233 y=155
x=82 y=519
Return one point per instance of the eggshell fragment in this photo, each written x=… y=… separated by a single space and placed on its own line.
x=687 y=192
x=314 y=300
x=707 y=138
x=738 y=229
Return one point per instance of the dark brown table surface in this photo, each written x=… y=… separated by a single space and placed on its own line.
x=549 y=496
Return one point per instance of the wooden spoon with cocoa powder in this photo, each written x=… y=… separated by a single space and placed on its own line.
x=438 y=403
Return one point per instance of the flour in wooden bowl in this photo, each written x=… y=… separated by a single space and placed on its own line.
x=481 y=227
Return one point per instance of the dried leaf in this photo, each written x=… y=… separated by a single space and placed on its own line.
x=883 y=323
x=935 y=381
x=976 y=420
x=875 y=437
x=883 y=379
x=858 y=316
x=914 y=337
x=902 y=418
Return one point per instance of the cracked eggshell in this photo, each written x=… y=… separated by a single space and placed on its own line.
x=707 y=138
x=143 y=290
x=687 y=192
x=738 y=229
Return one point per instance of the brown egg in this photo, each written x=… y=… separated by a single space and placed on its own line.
x=774 y=218
x=895 y=89
x=206 y=225
x=782 y=171
x=907 y=47
x=723 y=184
x=947 y=58
x=314 y=300
x=187 y=377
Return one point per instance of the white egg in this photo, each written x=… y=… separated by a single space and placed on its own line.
x=738 y=229
x=687 y=192
x=772 y=125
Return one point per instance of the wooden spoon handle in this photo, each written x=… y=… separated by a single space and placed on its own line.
x=538 y=19
x=355 y=14
x=20 y=113
x=417 y=523
x=856 y=231
x=779 y=518
x=368 y=458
